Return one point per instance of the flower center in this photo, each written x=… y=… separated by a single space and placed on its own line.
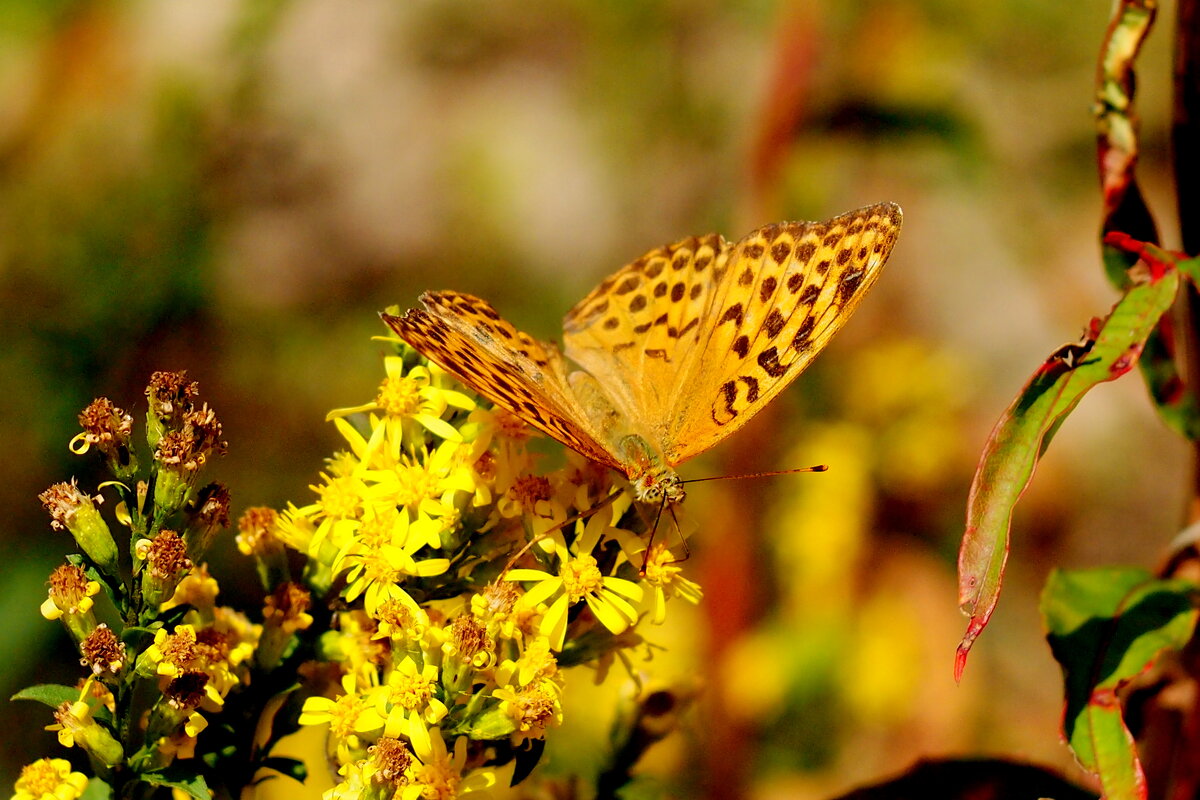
x=412 y=692
x=399 y=396
x=581 y=577
x=40 y=778
x=340 y=498
x=414 y=483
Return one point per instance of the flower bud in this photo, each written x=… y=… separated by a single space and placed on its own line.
x=166 y=565
x=72 y=509
x=170 y=395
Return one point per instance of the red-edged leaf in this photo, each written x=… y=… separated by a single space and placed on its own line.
x=1025 y=429
x=1125 y=207
x=1105 y=627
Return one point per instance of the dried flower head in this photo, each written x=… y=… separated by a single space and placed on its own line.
x=188 y=448
x=286 y=608
x=165 y=555
x=256 y=531
x=63 y=501
x=70 y=591
x=389 y=760
x=186 y=691
x=105 y=427
x=171 y=394
x=102 y=651
x=468 y=637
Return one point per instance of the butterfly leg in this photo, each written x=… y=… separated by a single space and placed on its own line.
x=607 y=501
x=687 y=553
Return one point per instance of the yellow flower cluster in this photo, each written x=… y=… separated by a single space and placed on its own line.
x=471 y=579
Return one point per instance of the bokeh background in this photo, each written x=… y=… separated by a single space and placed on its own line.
x=236 y=187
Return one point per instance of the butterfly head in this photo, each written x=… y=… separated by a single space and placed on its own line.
x=655 y=484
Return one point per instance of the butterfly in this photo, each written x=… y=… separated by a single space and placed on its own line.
x=677 y=350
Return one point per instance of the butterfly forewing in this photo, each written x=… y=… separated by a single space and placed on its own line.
x=467 y=337
x=785 y=291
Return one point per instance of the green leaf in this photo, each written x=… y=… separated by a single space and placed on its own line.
x=188 y=781
x=51 y=694
x=1026 y=428
x=1105 y=627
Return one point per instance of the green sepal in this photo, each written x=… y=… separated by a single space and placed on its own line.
x=96 y=790
x=491 y=724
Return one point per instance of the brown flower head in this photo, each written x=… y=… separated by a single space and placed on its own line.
x=102 y=651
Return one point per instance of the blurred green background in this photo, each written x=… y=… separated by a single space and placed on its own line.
x=236 y=187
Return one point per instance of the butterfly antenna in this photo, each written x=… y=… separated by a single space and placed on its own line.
x=581 y=515
x=815 y=468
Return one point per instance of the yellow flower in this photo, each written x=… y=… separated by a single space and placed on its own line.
x=377 y=571
x=417 y=397
x=408 y=693
x=425 y=484
x=533 y=708
x=186 y=650
x=198 y=589
x=77 y=727
x=353 y=785
x=354 y=641
x=437 y=774
x=610 y=598
x=182 y=743
x=348 y=716
x=49 y=779
x=533 y=497
x=339 y=498
x=398 y=620
x=662 y=574
x=70 y=593
x=536 y=663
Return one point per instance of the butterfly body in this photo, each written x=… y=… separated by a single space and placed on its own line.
x=676 y=350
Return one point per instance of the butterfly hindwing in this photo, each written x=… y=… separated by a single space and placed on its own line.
x=635 y=330
x=468 y=338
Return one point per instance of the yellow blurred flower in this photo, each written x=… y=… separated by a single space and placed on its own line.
x=49 y=779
